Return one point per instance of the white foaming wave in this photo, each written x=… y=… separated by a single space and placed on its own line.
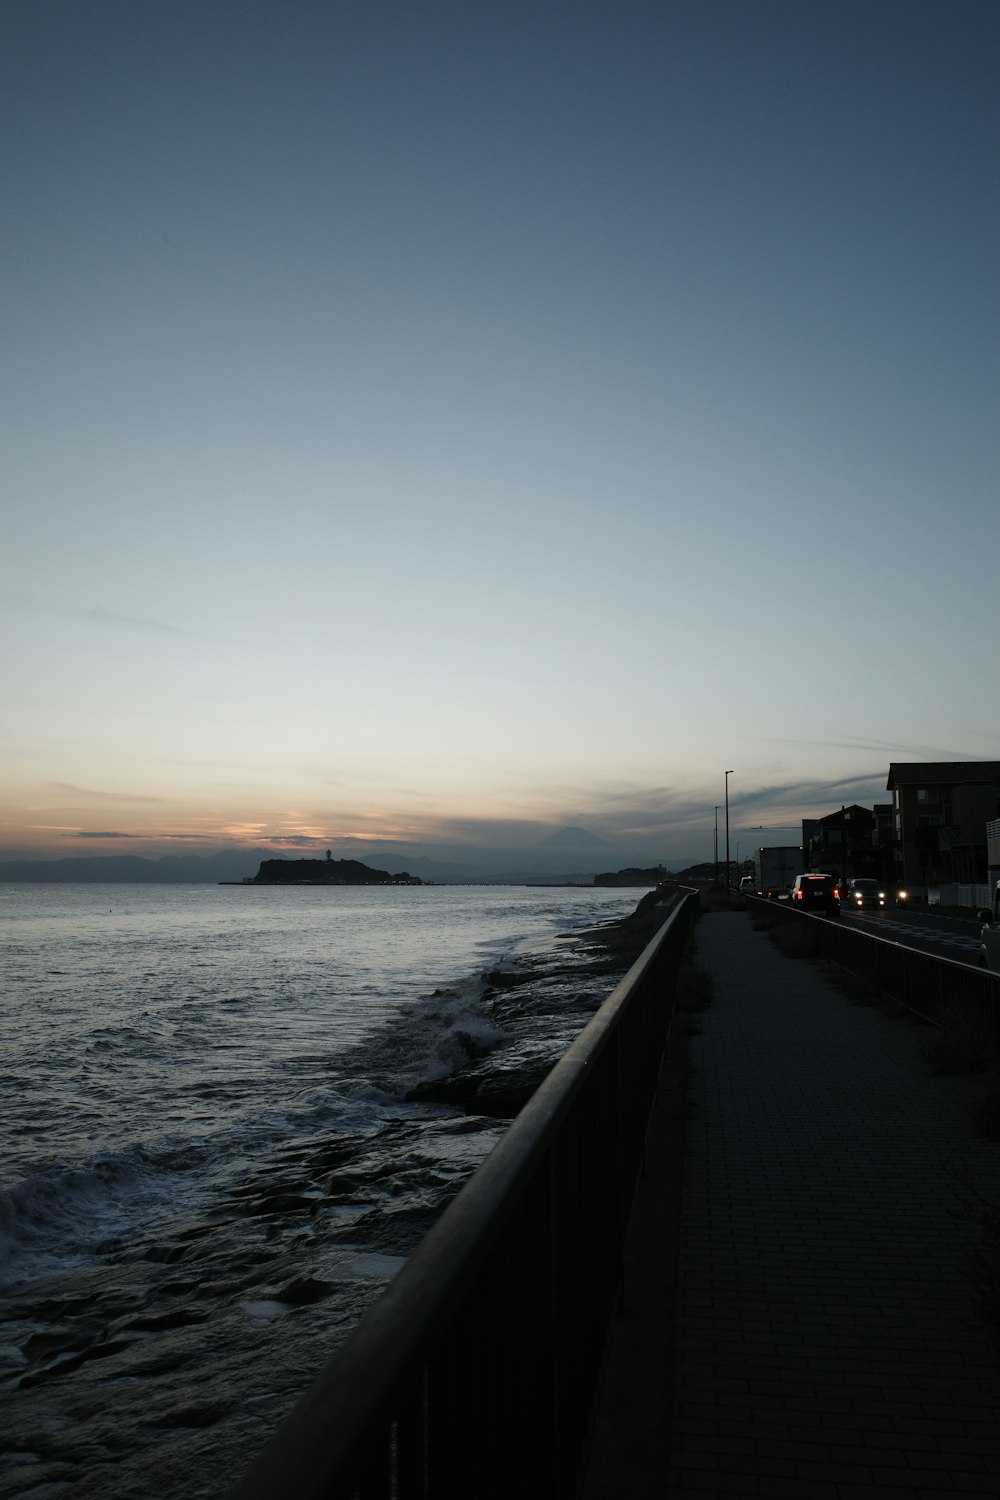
x=72 y=1215
x=233 y=1090
x=352 y=1104
x=68 y=1215
x=435 y=1036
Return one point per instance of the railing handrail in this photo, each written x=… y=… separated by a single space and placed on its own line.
x=942 y=991
x=363 y=1382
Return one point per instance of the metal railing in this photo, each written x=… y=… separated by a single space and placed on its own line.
x=952 y=995
x=973 y=897
x=475 y=1373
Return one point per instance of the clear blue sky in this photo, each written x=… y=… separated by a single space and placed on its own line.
x=455 y=421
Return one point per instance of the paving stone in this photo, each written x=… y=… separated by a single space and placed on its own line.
x=823 y=1345
x=822 y=1308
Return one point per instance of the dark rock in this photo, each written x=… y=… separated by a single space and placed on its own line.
x=193 y=1416
x=506 y=979
x=498 y=1093
x=304 y=1289
x=175 y=1317
x=167 y=1254
x=64 y=1365
x=280 y=1203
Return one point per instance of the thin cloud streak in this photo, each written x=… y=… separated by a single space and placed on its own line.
x=138 y=622
x=658 y=821
x=893 y=748
x=93 y=794
x=97 y=615
x=86 y=833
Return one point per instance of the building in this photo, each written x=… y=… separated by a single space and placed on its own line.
x=940 y=811
x=993 y=850
x=844 y=843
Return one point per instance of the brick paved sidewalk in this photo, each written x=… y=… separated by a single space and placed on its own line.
x=824 y=1349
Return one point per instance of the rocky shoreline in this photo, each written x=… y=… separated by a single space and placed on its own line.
x=540 y=1005
x=176 y=1358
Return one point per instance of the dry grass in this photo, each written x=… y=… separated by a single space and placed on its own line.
x=795 y=939
x=693 y=993
x=694 y=986
x=859 y=991
x=719 y=899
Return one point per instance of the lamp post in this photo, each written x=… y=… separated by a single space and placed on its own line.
x=716 y=844
x=728 y=774
x=843 y=852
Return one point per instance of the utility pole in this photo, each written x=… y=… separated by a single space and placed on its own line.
x=717 y=844
x=843 y=850
x=728 y=774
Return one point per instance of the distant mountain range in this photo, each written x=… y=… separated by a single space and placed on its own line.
x=571 y=854
x=573 y=838
x=174 y=869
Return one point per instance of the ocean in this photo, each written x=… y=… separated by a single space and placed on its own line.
x=228 y=1114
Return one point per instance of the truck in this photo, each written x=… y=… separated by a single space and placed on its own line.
x=776 y=867
x=989 y=938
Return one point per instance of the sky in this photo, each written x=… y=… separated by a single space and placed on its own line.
x=437 y=425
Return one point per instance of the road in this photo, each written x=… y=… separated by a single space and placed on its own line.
x=944 y=936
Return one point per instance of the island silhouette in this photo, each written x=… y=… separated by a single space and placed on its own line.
x=327 y=871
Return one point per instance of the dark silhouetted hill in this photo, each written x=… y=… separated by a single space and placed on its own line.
x=326 y=872
x=632 y=876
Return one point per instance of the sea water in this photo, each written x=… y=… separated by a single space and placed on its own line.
x=154 y=1038
x=204 y=1105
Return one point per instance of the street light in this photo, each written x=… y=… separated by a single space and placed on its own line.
x=728 y=774
x=716 y=843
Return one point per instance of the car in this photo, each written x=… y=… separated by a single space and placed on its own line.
x=863 y=892
x=816 y=892
x=989 y=944
x=748 y=886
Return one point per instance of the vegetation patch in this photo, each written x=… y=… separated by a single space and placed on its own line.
x=694 y=986
x=693 y=993
x=717 y=898
x=857 y=991
x=796 y=939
